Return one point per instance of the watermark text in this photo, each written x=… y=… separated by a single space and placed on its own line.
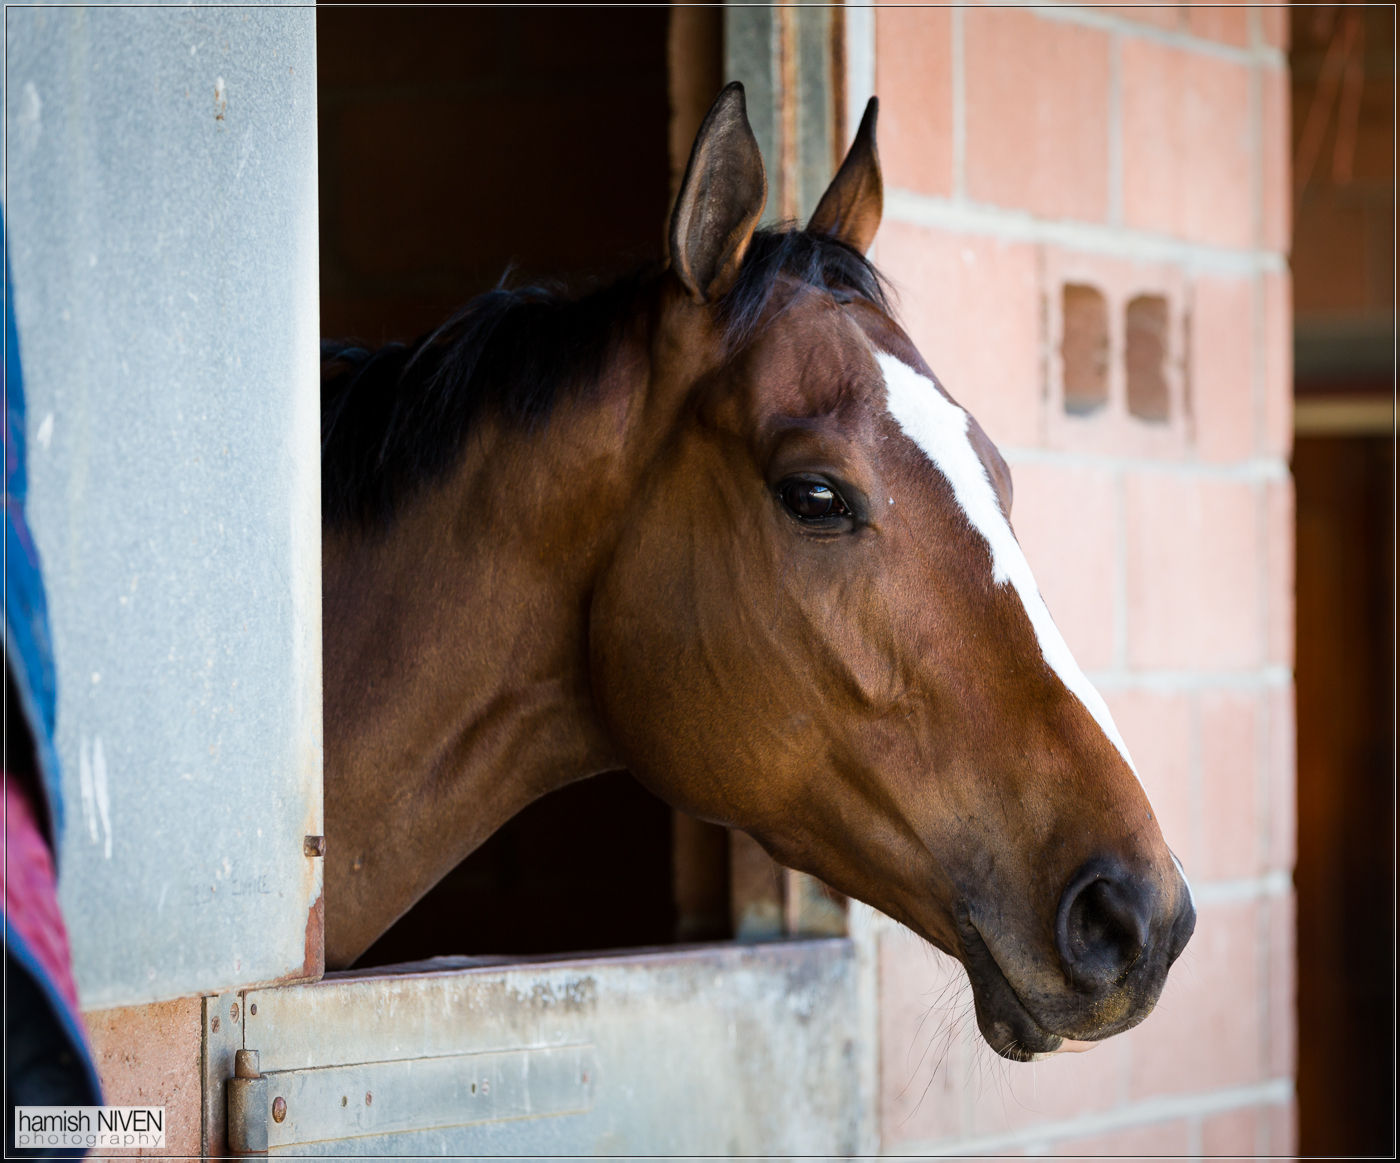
x=89 y=1126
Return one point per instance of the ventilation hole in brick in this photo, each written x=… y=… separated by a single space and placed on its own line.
x=1084 y=349
x=1188 y=403
x=1147 y=358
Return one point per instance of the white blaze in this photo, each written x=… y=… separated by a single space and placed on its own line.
x=939 y=427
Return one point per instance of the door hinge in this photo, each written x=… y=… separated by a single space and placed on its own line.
x=247 y=1106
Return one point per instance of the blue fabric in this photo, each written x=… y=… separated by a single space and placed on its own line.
x=47 y=1059
x=29 y=654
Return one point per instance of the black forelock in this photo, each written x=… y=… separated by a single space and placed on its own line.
x=814 y=260
x=395 y=418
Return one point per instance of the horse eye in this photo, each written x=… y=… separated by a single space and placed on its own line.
x=810 y=500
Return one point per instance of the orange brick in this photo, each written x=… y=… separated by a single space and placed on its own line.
x=1277 y=429
x=1273 y=25
x=1159 y=730
x=1066 y=518
x=1227 y=24
x=1147 y=1141
x=1188 y=152
x=1230 y=774
x=1283 y=1129
x=1276 y=168
x=914 y=77
x=1278 y=567
x=1194 y=559
x=1222 y=367
x=149 y=1056
x=1059 y=1088
x=1037 y=113
x=970 y=304
x=1149 y=12
x=1281 y=1051
x=1204 y=1034
x=1233 y=1134
x=1281 y=772
x=924 y=1041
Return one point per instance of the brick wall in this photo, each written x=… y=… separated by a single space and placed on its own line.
x=1087 y=217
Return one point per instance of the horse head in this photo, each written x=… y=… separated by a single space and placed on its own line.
x=842 y=649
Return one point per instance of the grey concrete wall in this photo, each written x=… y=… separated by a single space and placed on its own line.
x=161 y=214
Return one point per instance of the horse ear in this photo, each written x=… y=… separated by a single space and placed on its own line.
x=721 y=200
x=851 y=207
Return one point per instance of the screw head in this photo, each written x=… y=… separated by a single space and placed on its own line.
x=233 y=1012
x=253 y=1009
x=279 y=1109
x=369 y=1098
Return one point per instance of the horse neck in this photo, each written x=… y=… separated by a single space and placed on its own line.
x=455 y=652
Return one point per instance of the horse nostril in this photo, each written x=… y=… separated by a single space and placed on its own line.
x=1102 y=926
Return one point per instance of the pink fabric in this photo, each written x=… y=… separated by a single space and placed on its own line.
x=31 y=892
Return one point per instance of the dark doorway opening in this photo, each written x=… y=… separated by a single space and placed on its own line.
x=1344 y=473
x=458 y=146
x=588 y=867
x=459 y=143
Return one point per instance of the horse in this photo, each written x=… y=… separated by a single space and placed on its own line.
x=719 y=525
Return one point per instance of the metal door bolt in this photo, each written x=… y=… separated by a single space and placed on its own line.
x=247 y=1106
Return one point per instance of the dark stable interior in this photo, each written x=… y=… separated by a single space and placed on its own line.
x=1346 y=853
x=1344 y=482
x=457 y=144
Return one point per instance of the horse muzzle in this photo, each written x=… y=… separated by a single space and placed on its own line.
x=1114 y=940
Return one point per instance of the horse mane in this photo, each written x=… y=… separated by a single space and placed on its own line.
x=395 y=418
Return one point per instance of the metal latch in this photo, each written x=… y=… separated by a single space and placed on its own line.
x=247 y=1106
